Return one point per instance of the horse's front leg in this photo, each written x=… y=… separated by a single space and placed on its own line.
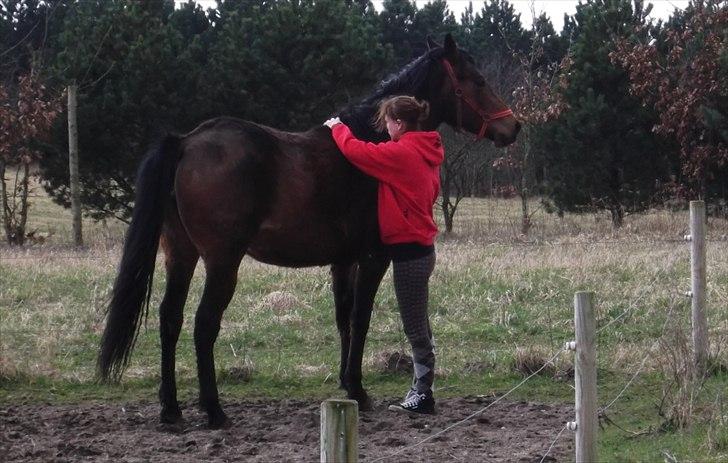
x=342 y=283
x=366 y=283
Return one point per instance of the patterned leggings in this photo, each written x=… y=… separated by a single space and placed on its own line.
x=411 y=279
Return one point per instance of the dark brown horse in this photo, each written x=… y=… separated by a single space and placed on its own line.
x=232 y=187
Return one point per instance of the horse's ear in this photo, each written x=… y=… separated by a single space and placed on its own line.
x=432 y=44
x=451 y=49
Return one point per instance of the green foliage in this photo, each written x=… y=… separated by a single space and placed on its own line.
x=493 y=36
x=26 y=27
x=396 y=23
x=681 y=74
x=601 y=153
x=127 y=61
x=144 y=68
x=715 y=119
x=292 y=64
x=500 y=25
x=405 y=28
x=554 y=46
x=488 y=298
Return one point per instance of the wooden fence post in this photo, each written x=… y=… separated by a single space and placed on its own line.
x=585 y=378
x=339 y=431
x=698 y=276
x=74 y=180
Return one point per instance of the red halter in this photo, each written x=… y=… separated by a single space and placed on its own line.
x=473 y=105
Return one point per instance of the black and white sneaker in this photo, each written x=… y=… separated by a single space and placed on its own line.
x=415 y=402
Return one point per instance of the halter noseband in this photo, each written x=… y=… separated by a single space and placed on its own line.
x=473 y=105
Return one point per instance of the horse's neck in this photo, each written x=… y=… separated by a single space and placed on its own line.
x=435 y=118
x=359 y=120
x=431 y=124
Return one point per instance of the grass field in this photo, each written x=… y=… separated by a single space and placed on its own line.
x=500 y=303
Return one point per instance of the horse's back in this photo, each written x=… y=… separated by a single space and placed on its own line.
x=285 y=198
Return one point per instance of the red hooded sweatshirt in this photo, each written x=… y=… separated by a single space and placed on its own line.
x=408 y=171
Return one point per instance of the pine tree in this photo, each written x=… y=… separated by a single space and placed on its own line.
x=145 y=68
x=130 y=68
x=601 y=153
x=396 y=24
x=292 y=64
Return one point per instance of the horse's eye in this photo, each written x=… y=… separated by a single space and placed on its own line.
x=480 y=82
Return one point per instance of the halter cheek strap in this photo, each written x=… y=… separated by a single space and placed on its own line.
x=487 y=118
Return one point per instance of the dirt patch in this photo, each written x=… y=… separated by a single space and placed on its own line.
x=279 y=431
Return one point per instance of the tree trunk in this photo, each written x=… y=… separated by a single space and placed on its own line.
x=24 y=205
x=525 y=214
x=448 y=214
x=15 y=209
x=4 y=198
x=447 y=207
x=527 y=179
x=617 y=216
x=448 y=210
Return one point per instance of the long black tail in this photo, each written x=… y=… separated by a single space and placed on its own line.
x=133 y=285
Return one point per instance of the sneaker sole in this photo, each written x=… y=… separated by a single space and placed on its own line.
x=396 y=408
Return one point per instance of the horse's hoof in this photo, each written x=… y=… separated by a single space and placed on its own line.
x=219 y=421
x=365 y=403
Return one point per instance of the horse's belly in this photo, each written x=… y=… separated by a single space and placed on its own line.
x=300 y=245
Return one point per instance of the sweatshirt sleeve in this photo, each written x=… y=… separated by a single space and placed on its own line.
x=379 y=160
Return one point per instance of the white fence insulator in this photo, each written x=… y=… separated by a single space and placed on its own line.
x=570 y=345
x=688 y=237
x=571 y=425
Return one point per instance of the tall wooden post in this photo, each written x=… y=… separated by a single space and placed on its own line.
x=585 y=378
x=697 y=270
x=339 y=433
x=73 y=165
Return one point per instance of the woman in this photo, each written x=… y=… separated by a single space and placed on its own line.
x=408 y=171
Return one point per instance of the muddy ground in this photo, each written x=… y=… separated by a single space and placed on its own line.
x=265 y=431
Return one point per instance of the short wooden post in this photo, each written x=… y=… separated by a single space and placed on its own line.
x=585 y=378
x=339 y=432
x=697 y=270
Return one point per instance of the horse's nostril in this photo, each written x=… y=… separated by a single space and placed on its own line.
x=518 y=126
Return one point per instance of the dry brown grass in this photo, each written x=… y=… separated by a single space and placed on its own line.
x=482 y=221
x=486 y=275
x=682 y=381
x=716 y=441
x=532 y=359
x=498 y=220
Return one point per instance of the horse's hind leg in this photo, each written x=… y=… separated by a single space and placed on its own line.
x=219 y=288
x=180 y=260
x=342 y=284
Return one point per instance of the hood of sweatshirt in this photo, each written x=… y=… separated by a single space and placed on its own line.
x=428 y=144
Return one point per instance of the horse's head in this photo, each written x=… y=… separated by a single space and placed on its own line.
x=465 y=99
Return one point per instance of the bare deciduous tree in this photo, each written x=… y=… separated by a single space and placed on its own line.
x=536 y=101
x=26 y=115
x=685 y=83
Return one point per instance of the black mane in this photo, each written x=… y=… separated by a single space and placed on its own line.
x=411 y=80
